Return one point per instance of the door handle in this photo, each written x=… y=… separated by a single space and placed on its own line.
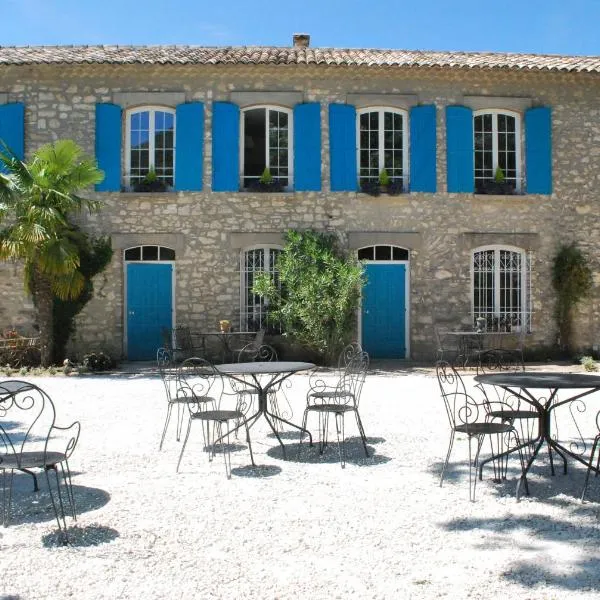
x=131 y=313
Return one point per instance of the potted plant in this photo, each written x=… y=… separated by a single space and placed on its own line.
x=498 y=185
x=224 y=326
x=369 y=186
x=267 y=183
x=150 y=183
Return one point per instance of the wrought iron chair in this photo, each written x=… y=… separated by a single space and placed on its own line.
x=170 y=378
x=469 y=417
x=591 y=461
x=203 y=385
x=30 y=440
x=339 y=401
x=447 y=346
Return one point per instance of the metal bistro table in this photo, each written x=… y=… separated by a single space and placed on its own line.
x=273 y=373
x=521 y=386
x=473 y=343
x=225 y=339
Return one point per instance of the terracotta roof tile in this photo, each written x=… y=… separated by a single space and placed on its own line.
x=196 y=55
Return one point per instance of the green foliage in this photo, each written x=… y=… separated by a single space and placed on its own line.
x=97 y=361
x=318 y=297
x=572 y=281
x=588 y=363
x=151 y=176
x=94 y=256
x=266 y=178
x=499 y=175
x=384 y=178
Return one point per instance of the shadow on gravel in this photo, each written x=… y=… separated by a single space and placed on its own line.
x=354 y=453
x=257 y=471
x=574 y=538
x=82 y=537
x=36 y=507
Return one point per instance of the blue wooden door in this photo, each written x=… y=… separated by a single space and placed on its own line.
x=384 y=311
x=149 y=308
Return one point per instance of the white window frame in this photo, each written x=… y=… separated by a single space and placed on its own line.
x=244 y=308
x=525 y=292
x=268 y=107
x=381 y=133
x=152 y=109
x=518 y=140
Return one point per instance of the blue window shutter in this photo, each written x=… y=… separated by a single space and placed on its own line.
x=342 y=148
x=307 y=147
x=189 y=148
x=226 y=147
x=12 y=128
x=538 y=150
x=108 y=146
x=460 y=150
x=423 y=146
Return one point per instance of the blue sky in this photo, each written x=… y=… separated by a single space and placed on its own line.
x=543 y=26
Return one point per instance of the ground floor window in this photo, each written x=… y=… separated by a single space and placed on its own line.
x=501 y=288
x=254 y=309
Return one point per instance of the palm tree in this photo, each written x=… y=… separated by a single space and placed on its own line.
x=37 y=199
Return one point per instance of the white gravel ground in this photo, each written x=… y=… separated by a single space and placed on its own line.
x=302 y=528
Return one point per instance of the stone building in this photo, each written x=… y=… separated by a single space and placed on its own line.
x=496 y=158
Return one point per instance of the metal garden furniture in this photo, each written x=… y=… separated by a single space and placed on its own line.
x=264 y=376
x=469 y=417
x=203 y=384
x=30 y=440
x=523 y=385
x=344 y=398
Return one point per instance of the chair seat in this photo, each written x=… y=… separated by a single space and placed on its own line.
x=323 y=394
x=31 y=460
x=334 y=408
x=191 y=399
x=218 y=415
x=514 y=414
x=483 y=428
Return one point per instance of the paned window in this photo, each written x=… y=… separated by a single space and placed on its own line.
x=254 y=309
x=151 y=145
x=149 y=253
x=501 y=288
x=497 y=145
x=382 y=144
x=266 y=135
x=383 y=252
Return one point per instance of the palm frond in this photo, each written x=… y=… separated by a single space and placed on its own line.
x=68 y=286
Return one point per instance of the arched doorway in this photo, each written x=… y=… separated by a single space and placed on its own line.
x=149 y=299
x=383 y=323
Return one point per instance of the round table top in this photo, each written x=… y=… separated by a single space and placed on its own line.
x=266 y=368
x=541 y=380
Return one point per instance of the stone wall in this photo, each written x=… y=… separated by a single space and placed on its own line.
x=60 y=102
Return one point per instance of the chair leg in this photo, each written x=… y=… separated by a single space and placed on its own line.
x=162 y=439
x=59 y=509
x=225 y=449
x=304 y=421
x=249 y=442
x=339 y=429
x=447 y=457
x=66 y=475
x=187 y=435
x=6 y=496
x=361 y=431
x=587 y=475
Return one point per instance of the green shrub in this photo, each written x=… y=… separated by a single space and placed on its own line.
x=588 y=363
x=97 y=361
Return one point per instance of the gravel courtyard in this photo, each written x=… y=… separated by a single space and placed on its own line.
x=301 y=528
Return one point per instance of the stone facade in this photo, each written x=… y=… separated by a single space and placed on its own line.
x=60 y=103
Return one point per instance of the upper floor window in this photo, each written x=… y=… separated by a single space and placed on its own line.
x=254 y=308
x=500 y=284
x=146 y=253
x=150 y=147
x=382 y=144
x=497 y=152
x=266 y=134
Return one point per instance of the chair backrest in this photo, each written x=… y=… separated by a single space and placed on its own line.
x=348 y=353
x=27 y=417
x=253 y=353
x=168 y=372
x=259 y=338
x=198 y=380
x=460 y=407
x=349 y=388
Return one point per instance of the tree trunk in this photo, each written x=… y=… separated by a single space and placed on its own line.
x=44 y=301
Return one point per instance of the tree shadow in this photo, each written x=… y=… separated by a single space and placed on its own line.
x=81 y=537
x=353 y=450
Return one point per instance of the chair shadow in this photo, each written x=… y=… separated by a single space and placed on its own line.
x=353 y=450
x=81 y=537
x=28 y=506
x=257 y=471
